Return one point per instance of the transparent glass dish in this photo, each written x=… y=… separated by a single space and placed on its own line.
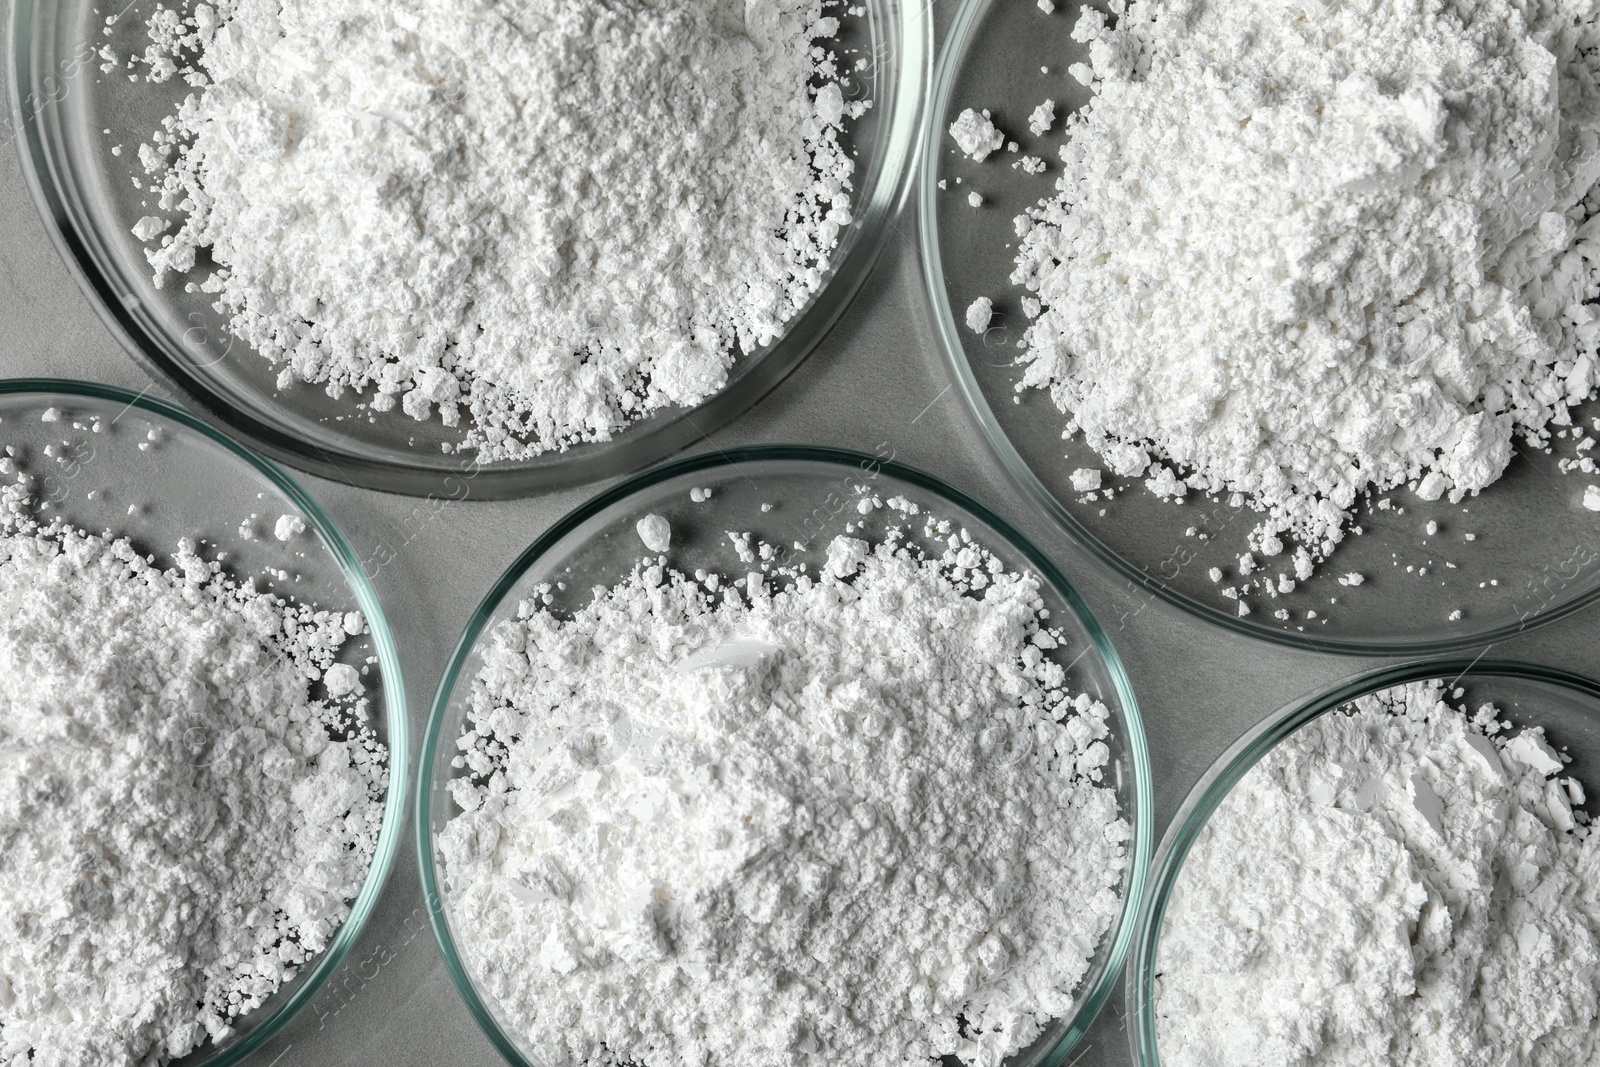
x=61 y=103
x=1566 y=705
x=1534 y=555
x=813 y=494
x=184 y=480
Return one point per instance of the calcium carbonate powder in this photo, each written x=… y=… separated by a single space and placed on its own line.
x=1398 y=883
x=1300 y=250
x=183 y=819
x=849 y=817
x=557 y=215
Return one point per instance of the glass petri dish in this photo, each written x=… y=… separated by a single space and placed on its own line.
x=1534 y=552
x=184 y=479
x=1566 y=705
x=812 y=492
x=61 y=103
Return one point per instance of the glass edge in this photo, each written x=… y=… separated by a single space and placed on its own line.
x=395 y=713
x=1133 y=721
x=948 y=341
x=882 y=204
x=1204 y=797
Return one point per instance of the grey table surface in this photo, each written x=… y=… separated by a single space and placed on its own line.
x=877 y=378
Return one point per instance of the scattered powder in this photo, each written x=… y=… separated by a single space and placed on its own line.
x=1394 y=883
x=974 y=200
x=1406 y=187
x=858 y=806
x=560 y=215
x=182 y=822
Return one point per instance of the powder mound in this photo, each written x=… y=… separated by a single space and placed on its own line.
x=852 y=819
x=560 y=215
x=1300 y=252
x=182 y=824
x=1395 y=883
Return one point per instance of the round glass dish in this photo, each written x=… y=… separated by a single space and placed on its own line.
x=1566 y=705
x=61 y=103
x=812 y=492
x=1534 y=552
x=111 y=450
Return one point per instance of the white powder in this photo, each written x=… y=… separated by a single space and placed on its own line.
x=979 y=314
x=976 y=135
x=1392 y=884
x=655 y=531
x=850 y=819
x=182 y=823
x=1042 y=118
x=561 y=215
x=1298 y=251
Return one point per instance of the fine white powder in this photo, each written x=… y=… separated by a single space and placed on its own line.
x=850 y=818
x=1395 y=883
x=1300 y=251
x=182 y=822
x=560 y=215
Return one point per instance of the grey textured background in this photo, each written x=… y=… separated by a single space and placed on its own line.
x=876 y=379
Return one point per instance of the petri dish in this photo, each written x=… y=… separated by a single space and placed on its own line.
x=61 y=103
x=812 y=493
x=184 y=480
x=1565 y=704
x=1523 y=552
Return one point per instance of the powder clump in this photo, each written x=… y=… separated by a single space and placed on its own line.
x=1299 y=252
x=859 y=806
x=1394 y=883
x=554 y=217
x=182 y=821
